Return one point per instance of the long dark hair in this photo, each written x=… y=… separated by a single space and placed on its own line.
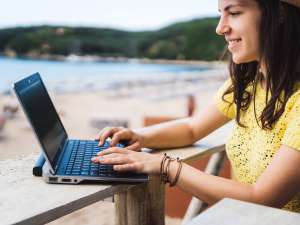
x=280 y=50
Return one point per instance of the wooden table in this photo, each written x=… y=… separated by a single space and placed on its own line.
x=25 y=199
x=229 y=212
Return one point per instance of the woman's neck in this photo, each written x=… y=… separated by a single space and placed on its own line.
x=263 y=79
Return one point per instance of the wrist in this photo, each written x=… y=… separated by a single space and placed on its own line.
x=142 y=140
x=170 y=169
x=174 y=167
x=158 y=164
x=141 y=137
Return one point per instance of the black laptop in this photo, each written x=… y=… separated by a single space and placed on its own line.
x=67 y=160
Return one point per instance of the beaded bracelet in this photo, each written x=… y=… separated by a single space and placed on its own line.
x=168 y=169
x=165 y=169
x=172 y=184
x=164 y=175
x=162 y=163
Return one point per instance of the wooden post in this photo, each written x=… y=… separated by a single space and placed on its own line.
x=142 y=204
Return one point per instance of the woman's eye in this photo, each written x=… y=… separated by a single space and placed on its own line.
x=234 y=13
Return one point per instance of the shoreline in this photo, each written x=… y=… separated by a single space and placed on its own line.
x=135 y=83
x=170 y=86
x=94 y=58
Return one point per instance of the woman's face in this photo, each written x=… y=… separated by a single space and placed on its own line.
x=239 y=23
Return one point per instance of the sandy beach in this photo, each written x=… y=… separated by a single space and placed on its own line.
x=83 y=112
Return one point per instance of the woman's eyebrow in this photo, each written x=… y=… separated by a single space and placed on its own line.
x=228 y=7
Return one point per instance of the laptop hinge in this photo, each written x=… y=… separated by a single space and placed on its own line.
x=62 y=151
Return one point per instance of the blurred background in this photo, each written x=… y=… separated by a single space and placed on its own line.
x=109 y=63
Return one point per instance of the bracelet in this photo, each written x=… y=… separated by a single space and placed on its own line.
x=172 y=184
x=164 y=176
x=168 y=169
x=165 y=170
x=162 y=163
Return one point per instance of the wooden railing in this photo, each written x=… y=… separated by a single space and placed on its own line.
x=25 y=199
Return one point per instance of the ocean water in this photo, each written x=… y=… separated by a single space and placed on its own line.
x=71 y=76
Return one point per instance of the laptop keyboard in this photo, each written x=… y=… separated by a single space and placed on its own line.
x=80 y=160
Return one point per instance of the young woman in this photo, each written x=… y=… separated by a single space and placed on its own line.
x=262 y=95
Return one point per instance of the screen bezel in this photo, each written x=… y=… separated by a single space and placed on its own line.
x=24 y=84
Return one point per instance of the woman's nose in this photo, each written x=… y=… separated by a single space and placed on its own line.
x=222 y=27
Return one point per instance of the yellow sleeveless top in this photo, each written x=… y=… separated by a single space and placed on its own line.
x=247 y=160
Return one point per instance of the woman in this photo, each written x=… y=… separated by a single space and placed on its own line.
x=262 y=95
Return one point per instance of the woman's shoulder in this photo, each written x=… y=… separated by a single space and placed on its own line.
x=294 y=100
x=225 y=102
x=292 y=133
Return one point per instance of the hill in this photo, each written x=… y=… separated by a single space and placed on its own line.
x=191 y=40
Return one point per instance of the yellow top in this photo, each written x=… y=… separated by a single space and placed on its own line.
x=251 y=149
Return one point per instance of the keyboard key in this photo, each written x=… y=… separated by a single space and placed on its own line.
x=102 y=175
x=75 y=173
x=94 y=173
x=85 y=173
x=77 y=166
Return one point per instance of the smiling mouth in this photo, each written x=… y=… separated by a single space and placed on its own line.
x=233 y=43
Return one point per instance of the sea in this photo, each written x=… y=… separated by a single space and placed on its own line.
x=65 y=76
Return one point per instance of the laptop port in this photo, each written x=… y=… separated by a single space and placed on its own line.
x=65 y=180
x=52 y=179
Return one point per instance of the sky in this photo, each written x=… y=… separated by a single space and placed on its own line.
x=134 y=15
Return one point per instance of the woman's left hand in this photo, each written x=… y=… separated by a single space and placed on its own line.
x=125 y=160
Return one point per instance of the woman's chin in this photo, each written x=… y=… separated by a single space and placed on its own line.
x=237 y=59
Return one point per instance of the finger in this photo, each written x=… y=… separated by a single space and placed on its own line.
x=113 y=150
x=97 y=138
x=107 y=133
x=134 y=167
x=120 y=135
x=111 y=161
x=134 y=147
x=124 y=167
x=112 y=155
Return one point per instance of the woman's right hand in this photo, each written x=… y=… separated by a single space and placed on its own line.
x=120 y=134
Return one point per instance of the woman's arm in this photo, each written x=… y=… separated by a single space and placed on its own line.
x=275 y=187
x=177 y=133
x=182 y=132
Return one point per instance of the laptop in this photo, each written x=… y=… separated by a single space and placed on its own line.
x=67 y=160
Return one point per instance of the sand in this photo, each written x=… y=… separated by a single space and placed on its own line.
x=82 y=112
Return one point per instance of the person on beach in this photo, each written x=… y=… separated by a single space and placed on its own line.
x=262 y=96
x=2 y=122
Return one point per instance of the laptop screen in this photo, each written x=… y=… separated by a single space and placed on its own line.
x=42 y=115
